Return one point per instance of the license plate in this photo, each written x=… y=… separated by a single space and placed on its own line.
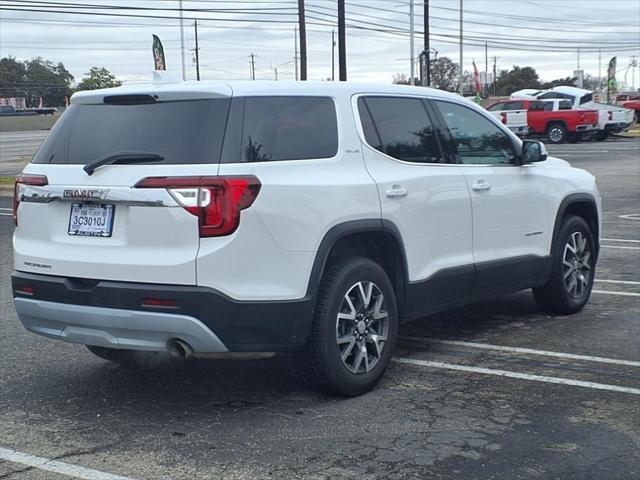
x=91 y=219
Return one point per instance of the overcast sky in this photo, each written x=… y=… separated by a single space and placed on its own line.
x=543 y=34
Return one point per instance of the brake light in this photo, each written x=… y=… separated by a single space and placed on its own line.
x=503 y=116
x=610 y=115
x=216 y=201
x=25 y=179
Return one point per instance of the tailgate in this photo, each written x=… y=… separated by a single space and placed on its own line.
x=96 y=224
x=150 y=239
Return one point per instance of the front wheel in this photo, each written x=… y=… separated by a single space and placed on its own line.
x=601 y=135
x=572 y=271
x=354 y=330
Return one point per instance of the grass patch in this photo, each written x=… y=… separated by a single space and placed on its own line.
x=7 y=179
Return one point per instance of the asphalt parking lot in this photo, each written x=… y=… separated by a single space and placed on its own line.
x=497 y=390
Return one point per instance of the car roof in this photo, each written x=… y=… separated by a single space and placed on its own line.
x=219 y=89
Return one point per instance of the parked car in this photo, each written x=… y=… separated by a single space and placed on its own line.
x=511 y=114
x=9 y=111
x=554 y=119
x=611 y=118
x=209 y=218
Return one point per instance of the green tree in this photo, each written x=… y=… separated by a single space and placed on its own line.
x=97 y=78
x=516 y=79
x=560 y=82
x=48 y=80
x=444 y=74
x=13 y=80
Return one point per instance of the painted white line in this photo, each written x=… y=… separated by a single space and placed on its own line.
x=518 y=375
x=630 y=216
x=6 y=214
x=622 y=294
x=619 y=240
x=618 y=247
x=622 y=282
x=6 y=209
x=530 y=351
x=56 y=466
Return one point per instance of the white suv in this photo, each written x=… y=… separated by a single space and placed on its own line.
x=209 y=218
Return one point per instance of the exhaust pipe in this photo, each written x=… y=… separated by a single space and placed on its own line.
x=180 y=349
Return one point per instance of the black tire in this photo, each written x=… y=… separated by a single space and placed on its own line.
x=556 y=133
x=601 y=135
x=128 y=358
x=556 y=295
x=323 y=356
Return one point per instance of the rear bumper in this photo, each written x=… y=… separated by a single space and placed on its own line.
x=618 y=127
x=111 y=314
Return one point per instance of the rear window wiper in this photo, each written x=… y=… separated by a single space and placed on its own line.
x=122 y=157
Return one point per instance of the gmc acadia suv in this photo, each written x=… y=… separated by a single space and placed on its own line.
x=209 y=218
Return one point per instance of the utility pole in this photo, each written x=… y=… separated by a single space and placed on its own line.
x=303 y=41
x=295 y=54
x=599 y=69
x=461 y=58
x=495 y=75
x=427 y=46
x=333 y=55
x=253 y=66
x=412 y=80
x=184 y=71
x=342 y=46
x=486 y=66
x=195 y=24
x=578 y=58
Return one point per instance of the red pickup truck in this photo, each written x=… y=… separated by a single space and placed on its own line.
x=553 y=119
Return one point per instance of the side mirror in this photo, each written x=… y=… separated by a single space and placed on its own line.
x=533 y=151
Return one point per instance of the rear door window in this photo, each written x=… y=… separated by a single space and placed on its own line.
x=403 y=129
x=288 y=128
x=183 y=132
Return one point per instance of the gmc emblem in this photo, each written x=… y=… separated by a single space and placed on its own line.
x=85 y=194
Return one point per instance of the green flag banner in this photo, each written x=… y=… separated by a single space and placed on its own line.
x=158 y=54
x=611 y=78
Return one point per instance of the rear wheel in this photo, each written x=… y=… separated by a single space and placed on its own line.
x=601 y=135
x=573 y=269
x=556 y=133
x=354 y=328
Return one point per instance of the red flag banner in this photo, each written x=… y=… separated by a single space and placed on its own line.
x=476 y=77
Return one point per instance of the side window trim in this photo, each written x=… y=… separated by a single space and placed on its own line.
x=435 y=123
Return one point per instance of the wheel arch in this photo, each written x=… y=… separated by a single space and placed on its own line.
x=376 y=239
x=583 y=205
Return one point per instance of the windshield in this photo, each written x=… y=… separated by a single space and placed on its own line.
x=181 y=132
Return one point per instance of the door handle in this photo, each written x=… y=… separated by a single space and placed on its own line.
x=396 y=191
x=481 y=185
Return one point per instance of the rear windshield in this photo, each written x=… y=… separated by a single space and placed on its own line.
x=182 y=132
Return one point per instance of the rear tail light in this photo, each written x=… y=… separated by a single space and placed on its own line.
x=24 y=290
x=25 y=179
x=503 y=116
x=216 y=201
x=610 y=115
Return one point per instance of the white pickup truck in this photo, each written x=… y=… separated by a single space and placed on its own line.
x=512 y=115
x=611 y=118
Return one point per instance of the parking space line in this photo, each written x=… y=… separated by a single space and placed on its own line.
x=56 y=466
x=614 y=240
x=620 y=247
x=622 y=294
x=6 y=214
x=531 y=351
x=621 y=282
x=518 y=375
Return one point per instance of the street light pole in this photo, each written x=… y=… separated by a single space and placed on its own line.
x=184 y=70
x=197 y=52
x=427 y=46
x=303 y=40
x=411 y=44
x=461 y=57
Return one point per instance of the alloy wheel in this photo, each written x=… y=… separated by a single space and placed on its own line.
x=362 y=326
x=577 y=265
